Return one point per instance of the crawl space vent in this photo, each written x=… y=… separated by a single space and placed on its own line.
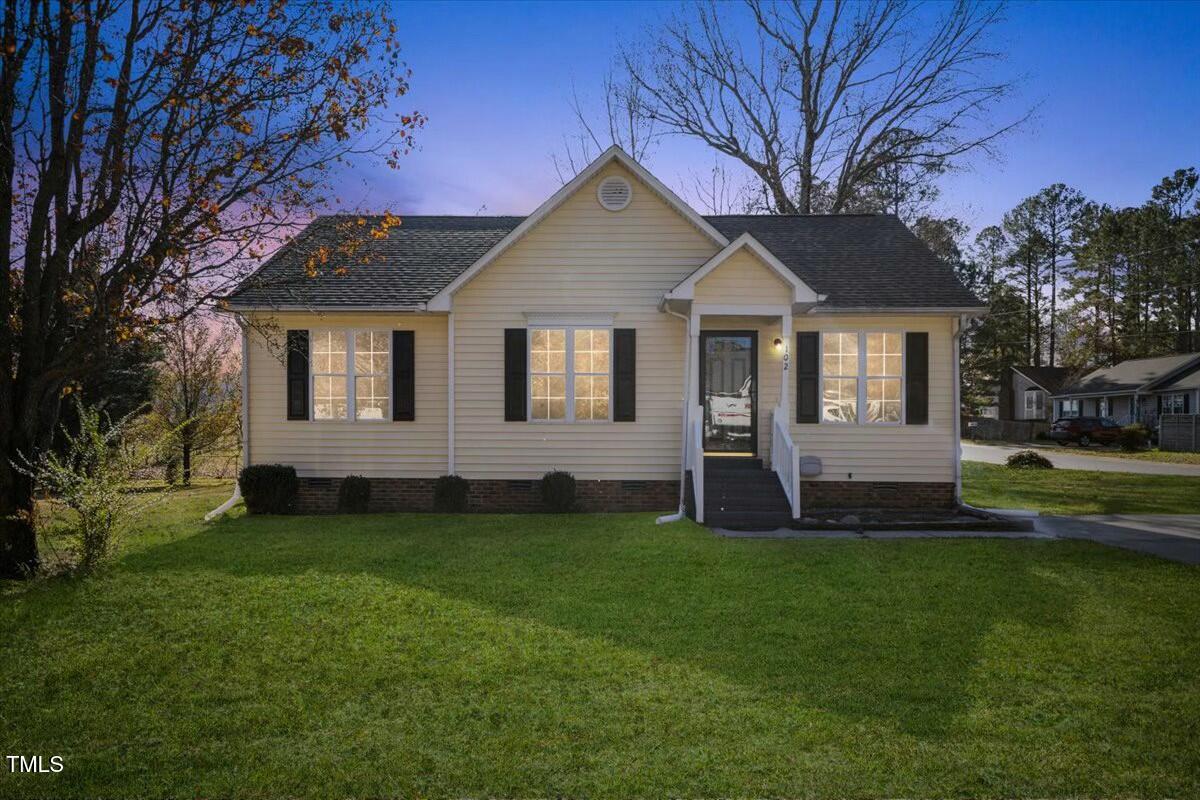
x=614 y=193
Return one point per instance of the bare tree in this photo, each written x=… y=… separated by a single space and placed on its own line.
x=195 y=405
x=824 y=98
x=149 y=145
x=621 y=120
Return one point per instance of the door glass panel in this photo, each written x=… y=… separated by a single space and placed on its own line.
x=729 y=393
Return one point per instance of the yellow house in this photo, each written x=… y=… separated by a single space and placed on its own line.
x=745 y=368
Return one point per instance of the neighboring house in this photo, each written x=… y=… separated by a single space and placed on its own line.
x=619 y=335
x=1140 y=389
x=1025 y=391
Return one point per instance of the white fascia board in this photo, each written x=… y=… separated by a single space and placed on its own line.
x=290 y=307
x=801 y=291
x=441 y=300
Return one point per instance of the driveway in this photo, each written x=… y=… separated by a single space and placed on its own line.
x=1172 y=536
x=1063 y=458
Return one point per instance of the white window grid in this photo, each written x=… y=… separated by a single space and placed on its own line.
x=862 y=377
x=569 y=374
x=1172 y=404
x=349 y=374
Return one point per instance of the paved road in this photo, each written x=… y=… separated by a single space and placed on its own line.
x=1064 y=458
x=1171 y=536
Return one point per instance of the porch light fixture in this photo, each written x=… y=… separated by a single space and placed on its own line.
x=778 y=344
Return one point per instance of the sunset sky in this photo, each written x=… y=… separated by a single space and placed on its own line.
x=1117 y=88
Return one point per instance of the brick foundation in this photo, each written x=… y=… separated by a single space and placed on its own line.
x=319 y=495
x=875 y=494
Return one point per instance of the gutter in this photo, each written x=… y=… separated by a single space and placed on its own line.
x=312 y=309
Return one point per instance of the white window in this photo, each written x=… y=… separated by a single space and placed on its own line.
x=570 y=374
x=371 y=359
x=885 y=372
x=862 y=377
x=839 y=377
x=1172 y=404
x=350 y=374
x=1069 y=408
x=1035 y=404
x=330 y=398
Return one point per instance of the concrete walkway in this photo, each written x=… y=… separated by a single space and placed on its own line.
x=1175 y=537
x=1069 y=458
x=1172 y=536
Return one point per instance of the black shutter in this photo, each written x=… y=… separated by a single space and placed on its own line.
x=297 y=374
x=514 y=374
x=404 y=379
x=625 y=375
x=808 y=376
x=1187 y=402
x=916 y=392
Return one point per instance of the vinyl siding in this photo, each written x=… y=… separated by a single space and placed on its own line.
x=580 y=259
x=888 y=452
x=743 y=278
x=382 y=449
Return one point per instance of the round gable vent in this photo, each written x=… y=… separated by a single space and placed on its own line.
x=614 y=193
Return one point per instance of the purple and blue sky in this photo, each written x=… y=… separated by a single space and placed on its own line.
x=1117 y=87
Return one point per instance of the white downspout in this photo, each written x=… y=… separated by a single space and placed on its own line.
x=450 y=395
x=237 y=487
x=683 y=428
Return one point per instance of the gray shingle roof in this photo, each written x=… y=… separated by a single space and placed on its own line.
x=409 y=266
x=1129 y=375
x=869 y=260
x=855 y=260
x=1049 y=378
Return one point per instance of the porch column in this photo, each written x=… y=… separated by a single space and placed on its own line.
x=694 y=353
x=785 y=329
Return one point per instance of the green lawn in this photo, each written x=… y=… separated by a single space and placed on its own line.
x=1077 y=491
x=1163 y=456
x=599 y=656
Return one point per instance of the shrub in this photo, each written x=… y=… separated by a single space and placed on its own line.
x=354 y=495
x=1027 y=459
x=450 y=494
x=558 y=491
x=269 y=488
x=1133 y=437
x=91 y=475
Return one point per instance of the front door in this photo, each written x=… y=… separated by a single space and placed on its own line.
x=729 y=391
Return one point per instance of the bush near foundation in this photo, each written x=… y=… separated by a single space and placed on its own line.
x=354 y=495
x=558 y=491
x=450 y=494
x=269 y=488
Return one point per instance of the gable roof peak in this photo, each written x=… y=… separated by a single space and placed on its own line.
x=442 y=300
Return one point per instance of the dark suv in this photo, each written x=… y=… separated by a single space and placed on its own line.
x=1085 y=430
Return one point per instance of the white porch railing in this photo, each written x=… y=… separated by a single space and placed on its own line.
x=695 y=459
x=785 y=459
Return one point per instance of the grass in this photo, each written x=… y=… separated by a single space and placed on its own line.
x=1077 y=491
x=600 y=656
x=1162 y=456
